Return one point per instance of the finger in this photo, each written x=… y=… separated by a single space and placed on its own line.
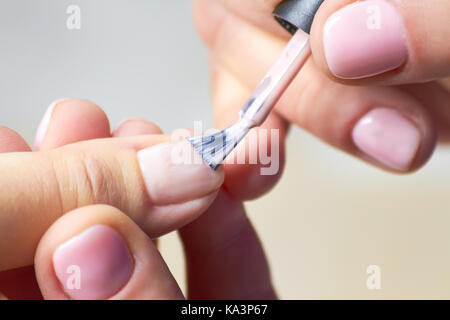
x=136 y=127
x=74 y=120
x=11 y=141
x=67 y=121
x=68 y=125
x=436 y=97
x=384 y=126
x=98 y=252
x=225 y=259
x=17 y=283
x=71 y=120
x=257 y=163
x=445 y=83
x=20 y=284
x=385 y=42
x=408 y=45
x=152 y=183
x=258 y=13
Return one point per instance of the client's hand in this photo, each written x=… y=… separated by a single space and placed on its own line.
x=86 y=214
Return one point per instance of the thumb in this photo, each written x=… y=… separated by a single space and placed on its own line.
x=137 y=175
x=97 y=252
x=383 y=41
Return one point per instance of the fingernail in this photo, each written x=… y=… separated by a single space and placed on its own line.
x=389 y=137
x=43 y=126
x=174 y=173
x=364 y=39
x=95 y=264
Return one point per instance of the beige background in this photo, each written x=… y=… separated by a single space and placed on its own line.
x=329 y=218
x=333 y=216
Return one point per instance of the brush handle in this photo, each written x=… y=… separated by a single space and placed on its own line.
x=277 y=79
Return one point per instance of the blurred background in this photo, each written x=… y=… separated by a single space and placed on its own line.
x=330 y=217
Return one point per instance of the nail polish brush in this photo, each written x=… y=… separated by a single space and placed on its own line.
x=296 y=16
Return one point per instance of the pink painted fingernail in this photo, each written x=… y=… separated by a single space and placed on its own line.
x=43 y=126
x=364 y=39
x=175 y=173
x=95 y=264
x=389 y=137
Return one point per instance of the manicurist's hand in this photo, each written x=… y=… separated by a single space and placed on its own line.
x=85 y=208
x=374 y=86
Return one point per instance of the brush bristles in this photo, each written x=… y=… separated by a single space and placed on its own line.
x=215 y=147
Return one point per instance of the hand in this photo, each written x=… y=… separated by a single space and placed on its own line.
x=393 y=111
x=84 y=208
x=115 y=259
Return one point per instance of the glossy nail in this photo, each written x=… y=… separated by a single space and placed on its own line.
x=43 y=126
x=364 y=39
x=174 y=173
x=95 y=264
x=389 y=137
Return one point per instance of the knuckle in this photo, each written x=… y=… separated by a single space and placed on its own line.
x=85 y=178
x=97 y=181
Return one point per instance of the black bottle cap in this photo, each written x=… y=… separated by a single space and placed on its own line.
x=296 y=14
